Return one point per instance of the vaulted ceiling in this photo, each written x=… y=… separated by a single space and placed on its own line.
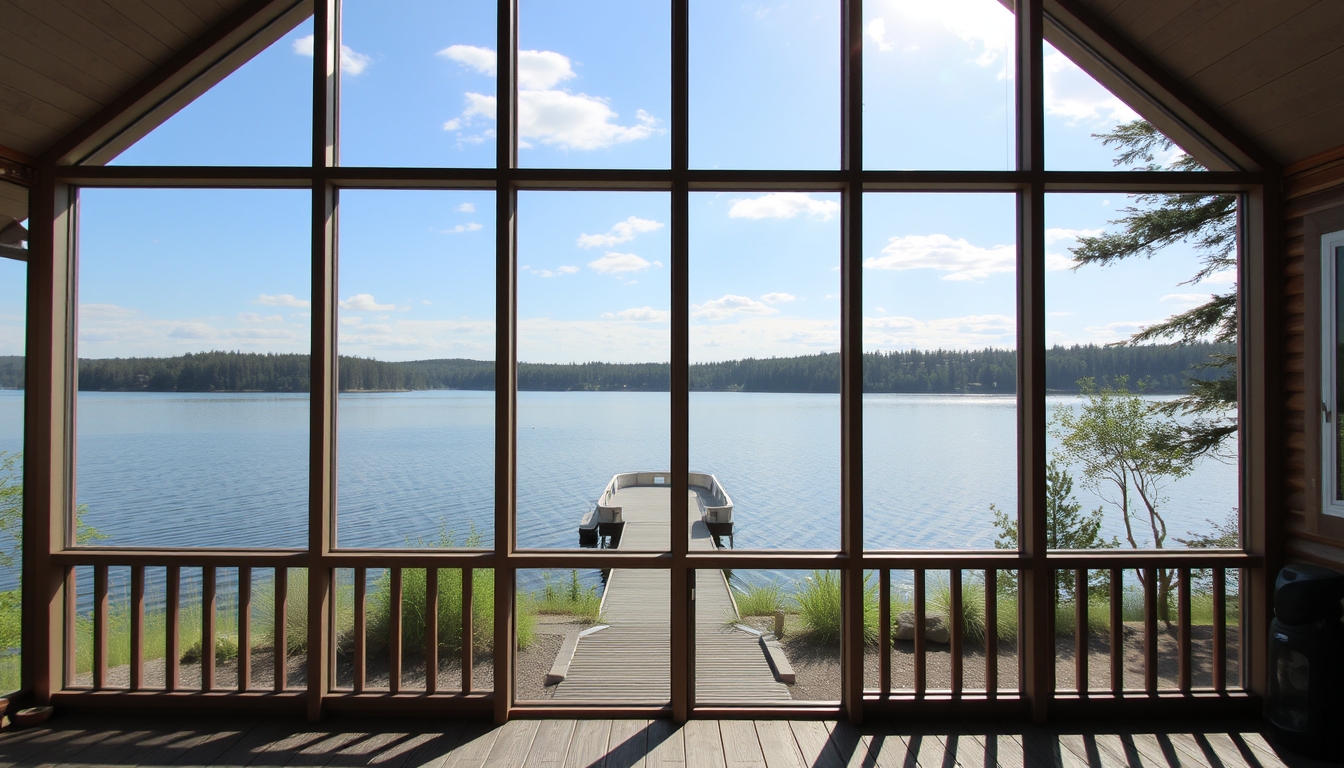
x=1272 y=70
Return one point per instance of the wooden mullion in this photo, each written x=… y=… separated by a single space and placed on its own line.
x=137 y=664
x=100 y=616
x=681 y=606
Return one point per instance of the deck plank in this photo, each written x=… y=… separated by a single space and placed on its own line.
x=814 y=740
x=704 y=744
x=627 y=744
x=550 y=744
x=778 y=746
x=741 y=745
x=588 y=746
x=667 y=745
x=512 y=744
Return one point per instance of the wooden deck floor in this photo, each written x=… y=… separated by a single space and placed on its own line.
x=92 y=742
x=629 y=660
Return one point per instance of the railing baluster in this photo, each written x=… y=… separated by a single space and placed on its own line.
x=361 y=629
x=172 y=612
x=100 y=612
x=884 y=631
x=137 y=627
x=1080 y=644
x=244 y=627
x=991 y=633
x=468 y=629
x=1150 y=631
x=921 y=680
x=71 y=627
x=431 y=630
x=1183 y=629
x=394 y=633
x=280 y=651
x=1117 y=632
x=208 y=585
x=1219 y=630
x=955 y=620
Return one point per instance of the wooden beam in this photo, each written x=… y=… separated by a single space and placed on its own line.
x=1160 y=97
x=192 y=71
x=681 y=672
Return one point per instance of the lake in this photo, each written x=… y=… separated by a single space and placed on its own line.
x=181 y=469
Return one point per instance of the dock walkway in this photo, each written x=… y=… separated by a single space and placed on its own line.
x=630 y=659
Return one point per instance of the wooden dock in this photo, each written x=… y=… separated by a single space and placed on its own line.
x=629 y=660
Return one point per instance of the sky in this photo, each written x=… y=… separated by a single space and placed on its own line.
x=165 y=272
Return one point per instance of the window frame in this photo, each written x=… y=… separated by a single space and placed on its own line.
x=1331 y=477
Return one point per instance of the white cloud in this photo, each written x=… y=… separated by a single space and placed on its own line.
x=469 y=227
x=778 y=298
x=1072 y=94
x=763 y=336
x=729 y=305
x=282 y=300
x=639 y=315
x=877 y=32
x=967 y=332
x=466 y=208
x=352 y=63
x=558 y=271
x=622 y=232
x=253 y=317
x=987 y=32
x=1222 y=277
x=615 y=263
x=546 y=115
x=959 y=258
x=1189 y=299
x=783 y=205
x=364 y=302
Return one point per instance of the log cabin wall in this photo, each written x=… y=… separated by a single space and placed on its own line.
x=1314 y=206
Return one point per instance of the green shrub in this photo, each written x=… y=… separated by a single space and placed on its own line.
x=819 y=606
x=226 y=649
x=763 y=600
x=566 y=598
x=296 y=611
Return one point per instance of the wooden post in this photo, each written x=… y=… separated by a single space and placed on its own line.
x=681 y=607
x=244 y=628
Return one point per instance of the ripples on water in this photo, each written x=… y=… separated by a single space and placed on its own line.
x=183 y=470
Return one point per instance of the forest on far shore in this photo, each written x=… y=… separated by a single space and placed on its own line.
x=1158 y=368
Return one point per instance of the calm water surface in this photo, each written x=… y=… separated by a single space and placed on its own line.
x=231 y=469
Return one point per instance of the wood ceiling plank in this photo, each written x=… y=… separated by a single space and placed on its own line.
x=22 y=26
x=1293 y=96
x=1138 y=20
x=1192 y=19
x=1295 y=43
x=151 y=17
x=183 y=16
x=1307 y=136
x=40 y=86
x=17 y=103
x=23 y=134
x=76 y=32
x=1240 y=24
x=115 y=22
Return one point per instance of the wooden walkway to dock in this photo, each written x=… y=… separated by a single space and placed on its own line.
x=630 y=659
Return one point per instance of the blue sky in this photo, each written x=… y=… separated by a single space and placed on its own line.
x=166 y=272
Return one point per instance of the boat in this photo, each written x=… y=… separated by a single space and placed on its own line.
x=605 y=523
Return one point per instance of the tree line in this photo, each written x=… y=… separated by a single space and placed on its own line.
x=1159 y=368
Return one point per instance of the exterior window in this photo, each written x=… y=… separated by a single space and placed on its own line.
x=1332 y=314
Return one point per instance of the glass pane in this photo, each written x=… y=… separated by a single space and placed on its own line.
x=261 y=114
x=742 y=657
x=193 y=375
x=594 y=635
x=1088 y=128
x=780 y=108
x=765 y=363
x=1142 y=364
x=13 y=306
x=1338 y=373
x=417 y=340
x=594 y=84
x=594 y=344
x=418 y=83
x=938 y=85
x=940 y=368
